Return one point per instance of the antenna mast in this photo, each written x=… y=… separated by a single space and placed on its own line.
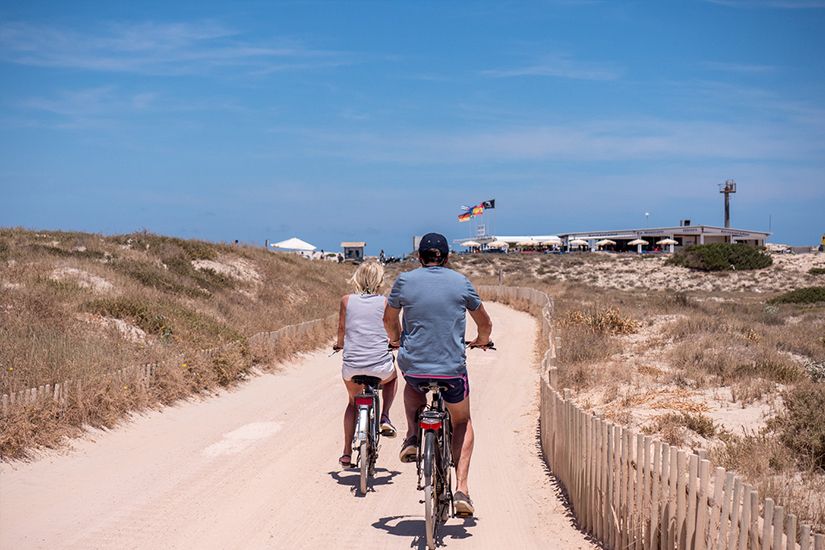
x=730 y=187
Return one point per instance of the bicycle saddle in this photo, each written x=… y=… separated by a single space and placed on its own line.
x=430 y=386
x=365 y=380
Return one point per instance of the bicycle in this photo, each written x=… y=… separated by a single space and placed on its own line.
x=367 y=426
x=434 y=459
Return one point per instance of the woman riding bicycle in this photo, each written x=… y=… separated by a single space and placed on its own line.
x=362 y=336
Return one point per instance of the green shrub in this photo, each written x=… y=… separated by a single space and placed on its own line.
x=721 y=257
x=801 y=426
x=807 y=295
x=132 y=310
x=817 y=271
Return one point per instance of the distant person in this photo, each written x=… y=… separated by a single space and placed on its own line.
x=435 y=300
x=362 y=336
x=381 y=257
x=340 y=258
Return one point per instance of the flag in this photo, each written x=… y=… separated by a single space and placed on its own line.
x=465 y=217
x=489 y=204
x=478 y=210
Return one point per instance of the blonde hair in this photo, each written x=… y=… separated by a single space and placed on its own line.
x=368 y=278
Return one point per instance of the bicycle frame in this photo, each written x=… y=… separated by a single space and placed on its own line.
x=436 y=418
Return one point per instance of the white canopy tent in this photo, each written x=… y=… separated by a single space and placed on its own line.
x=294 y=244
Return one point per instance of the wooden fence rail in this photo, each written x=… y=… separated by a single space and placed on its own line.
x=630 y=491
x=59 y=391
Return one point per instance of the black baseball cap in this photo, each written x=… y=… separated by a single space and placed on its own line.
x=434 y=241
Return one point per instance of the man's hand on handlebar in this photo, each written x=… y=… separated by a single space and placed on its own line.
x=477 y=343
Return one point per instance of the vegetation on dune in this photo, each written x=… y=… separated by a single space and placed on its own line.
x=817 y=271
x=79 y=306
x=807 y=295
x=721 y=257
x=686 y=345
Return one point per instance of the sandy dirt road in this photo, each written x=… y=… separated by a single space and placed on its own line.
x=257 y=468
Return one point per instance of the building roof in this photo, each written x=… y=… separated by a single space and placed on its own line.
x=628 y=234
x=353 y=244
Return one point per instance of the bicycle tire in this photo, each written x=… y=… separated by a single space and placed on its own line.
x=364 y=457
x=431 y=493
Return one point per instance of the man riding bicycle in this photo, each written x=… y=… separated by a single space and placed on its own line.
x=435 y=300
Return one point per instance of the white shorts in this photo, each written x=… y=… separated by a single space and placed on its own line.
x=384 y=372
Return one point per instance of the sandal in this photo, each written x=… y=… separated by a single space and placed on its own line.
x=345 y=461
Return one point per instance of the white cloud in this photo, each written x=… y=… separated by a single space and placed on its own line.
x=596 y=141
x=154 y=48
x=559 y=66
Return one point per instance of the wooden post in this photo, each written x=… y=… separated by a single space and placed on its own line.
x=724 y=516
x=693 y=478
x=655 y=483
x=638 y=523
x=681 y=500
x=735 y=510
x=745 y=516
x=671 y=497
x=778 y=526
x=767 y=530
x=790 y=532
x=805 y=538
x=702 y=505
x=754 y=528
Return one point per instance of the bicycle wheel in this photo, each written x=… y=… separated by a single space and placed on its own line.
x=364 y=458
x=431 y=491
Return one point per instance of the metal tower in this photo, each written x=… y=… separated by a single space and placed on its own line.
x=729 y=187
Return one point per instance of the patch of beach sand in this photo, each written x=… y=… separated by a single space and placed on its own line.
x=81 y=278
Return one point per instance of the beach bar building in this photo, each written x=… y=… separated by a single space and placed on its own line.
x=669 y=237
x=354 y=250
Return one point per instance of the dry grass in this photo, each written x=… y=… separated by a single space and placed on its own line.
x=686 y=347
x=80 y=306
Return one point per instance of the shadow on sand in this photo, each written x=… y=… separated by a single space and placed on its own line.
x=412 y=527
x=351 y=477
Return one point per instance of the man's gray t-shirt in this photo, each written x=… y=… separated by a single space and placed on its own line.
x=435 y=301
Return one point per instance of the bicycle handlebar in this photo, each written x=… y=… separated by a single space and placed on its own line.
x=489 y=345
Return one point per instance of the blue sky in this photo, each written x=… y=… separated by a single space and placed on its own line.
x=376 y=120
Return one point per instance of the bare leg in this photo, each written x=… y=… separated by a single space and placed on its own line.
x=349 y=416
x=412 y=402
x=388 y=395
x=463 y=440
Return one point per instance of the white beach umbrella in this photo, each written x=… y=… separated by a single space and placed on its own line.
x=578 y=242
x=497 y=244
x=551 y=241
x=470 y=244
x=605 y=242
x=669 y=242
x=526 y=243
x=639 y=244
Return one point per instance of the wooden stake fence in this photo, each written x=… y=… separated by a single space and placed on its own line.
x=629 y=491
x=59 y=391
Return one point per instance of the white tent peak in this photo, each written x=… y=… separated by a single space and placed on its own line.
x=294 y=244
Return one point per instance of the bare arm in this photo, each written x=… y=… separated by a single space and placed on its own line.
x=342 y=322
x=484 y=325
x=392 y=324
